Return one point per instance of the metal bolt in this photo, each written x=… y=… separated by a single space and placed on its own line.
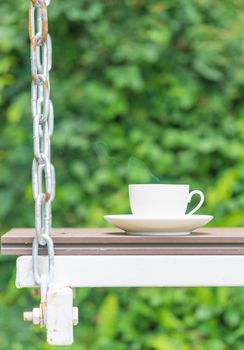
x=27 y=316
x=75 y=316
x=32 y=316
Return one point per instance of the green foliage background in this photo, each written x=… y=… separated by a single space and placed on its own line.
x=144 y=91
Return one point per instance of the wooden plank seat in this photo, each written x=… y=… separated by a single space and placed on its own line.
x=111 y=241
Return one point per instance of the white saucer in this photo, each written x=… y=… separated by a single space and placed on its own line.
x=178 y=226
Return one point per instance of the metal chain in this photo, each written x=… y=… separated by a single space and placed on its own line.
x=43 y=173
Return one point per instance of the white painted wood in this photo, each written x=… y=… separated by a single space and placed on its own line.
x=59 y=315
x=137 y=271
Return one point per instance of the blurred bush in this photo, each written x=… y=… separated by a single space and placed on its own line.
x=144 y=91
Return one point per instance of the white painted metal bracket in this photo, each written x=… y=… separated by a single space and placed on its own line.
x=137 y=271
x=61 y=316
x=120 y=271
x=57 y=314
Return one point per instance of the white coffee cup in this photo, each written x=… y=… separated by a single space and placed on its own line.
x=161 y=200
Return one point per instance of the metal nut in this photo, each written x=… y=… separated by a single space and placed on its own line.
x=36 y=315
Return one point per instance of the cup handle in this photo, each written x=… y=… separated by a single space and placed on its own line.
x=191 y=194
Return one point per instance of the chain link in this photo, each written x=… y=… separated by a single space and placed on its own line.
x=37 y=273
x=43 y=173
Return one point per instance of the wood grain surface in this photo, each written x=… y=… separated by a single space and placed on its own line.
x=110 y=241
